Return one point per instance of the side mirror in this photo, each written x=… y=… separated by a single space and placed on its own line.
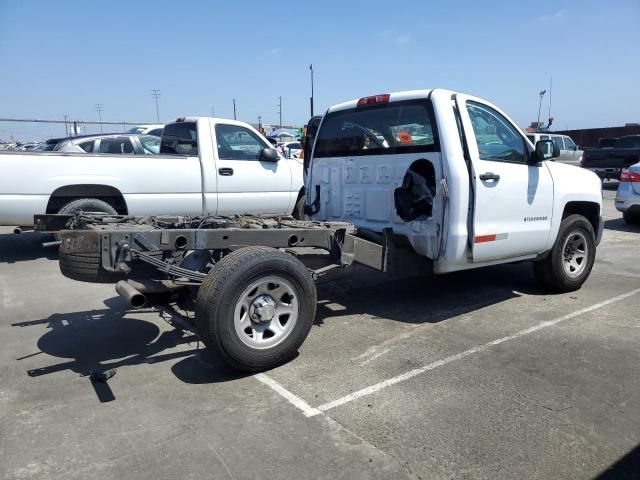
x=269 y=155
x=545 y=150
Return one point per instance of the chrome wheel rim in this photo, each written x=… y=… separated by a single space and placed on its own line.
x=575 y=254
x=266 y=312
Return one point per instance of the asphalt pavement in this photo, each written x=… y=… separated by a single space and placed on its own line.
x=479 y=374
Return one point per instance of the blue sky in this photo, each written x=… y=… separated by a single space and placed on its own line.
x=63 y=57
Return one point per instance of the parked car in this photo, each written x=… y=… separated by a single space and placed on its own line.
x=154 y=129
x=121 y=143
x=292 y=149
x=608 y=162
x=206 y=166
x=628 y=195
x=569 y=151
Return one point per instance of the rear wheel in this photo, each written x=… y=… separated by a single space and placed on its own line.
x=256 y=308
x=87 y=205
x=570 y=261
x=87 y=267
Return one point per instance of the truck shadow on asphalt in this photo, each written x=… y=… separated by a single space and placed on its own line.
x=425 y=299
x=26 y=246
x=97 y=341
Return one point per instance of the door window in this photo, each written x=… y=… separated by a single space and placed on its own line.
x=86 y=146
x=238 y=143
x=557 y=141
x=568 y=144
x=496 y=138
x=118 y=145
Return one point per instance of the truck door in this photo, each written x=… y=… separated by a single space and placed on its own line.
x=512 y=199
x=246 y=184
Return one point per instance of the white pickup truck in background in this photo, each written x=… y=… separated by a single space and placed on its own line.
x=206 y=166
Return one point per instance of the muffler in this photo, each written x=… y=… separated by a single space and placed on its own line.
x=134 y=298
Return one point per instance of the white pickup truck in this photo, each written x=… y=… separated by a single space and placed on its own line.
x=412 y=181
x=206 y=166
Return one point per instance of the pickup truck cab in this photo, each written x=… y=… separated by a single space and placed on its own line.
x=403 y=183
x=454 y=176
x=206 y=166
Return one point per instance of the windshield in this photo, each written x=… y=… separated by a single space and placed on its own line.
x=136 y=130
x=397 y=127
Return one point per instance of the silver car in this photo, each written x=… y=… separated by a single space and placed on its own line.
x=569 y=152
x=628 y=195
x=121 y=143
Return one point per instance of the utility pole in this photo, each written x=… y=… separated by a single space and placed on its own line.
x=234 y=109
x=280 y=111
x=99 y=108
x=213 y=111
x=156 y=94
x=542 y=92
x=259 y=123
x=66 y=128
x=311 y=68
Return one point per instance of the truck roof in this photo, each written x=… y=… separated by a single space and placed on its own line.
x=393 y=97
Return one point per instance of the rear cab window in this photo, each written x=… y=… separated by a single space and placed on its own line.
x=392 y=128
x=180 y=139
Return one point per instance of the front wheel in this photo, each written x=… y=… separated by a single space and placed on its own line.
x=570 y=261
x=256 y=308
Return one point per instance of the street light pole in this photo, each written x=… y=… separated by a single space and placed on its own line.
x=260 y=123
x=311 y=69
x=234 y=109
x=99 y=108
x=280 y=111
x=156 y=94
x=540 y=108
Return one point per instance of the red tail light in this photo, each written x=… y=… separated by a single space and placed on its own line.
x=629 y=176
x=373 y=100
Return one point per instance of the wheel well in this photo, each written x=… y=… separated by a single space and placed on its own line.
x=589 y=210
x=63 y=195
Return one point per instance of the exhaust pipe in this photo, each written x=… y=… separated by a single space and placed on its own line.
x=134 y=298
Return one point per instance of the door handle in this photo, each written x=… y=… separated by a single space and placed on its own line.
x=225 y=172
x=489 y=176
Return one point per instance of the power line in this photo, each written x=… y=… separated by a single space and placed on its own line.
x=156 y=94
x=99 y=108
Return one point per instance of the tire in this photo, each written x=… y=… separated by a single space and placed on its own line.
x=556 y=272
x=87 y=205
x=87 y=267
x=237 y=284
x=298 y=210
x=630 y=218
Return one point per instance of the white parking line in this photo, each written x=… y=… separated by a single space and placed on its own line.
x=307 y=409
x=310 y=411
x=412 y=373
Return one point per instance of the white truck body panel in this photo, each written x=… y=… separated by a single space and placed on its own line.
x=154 y=184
